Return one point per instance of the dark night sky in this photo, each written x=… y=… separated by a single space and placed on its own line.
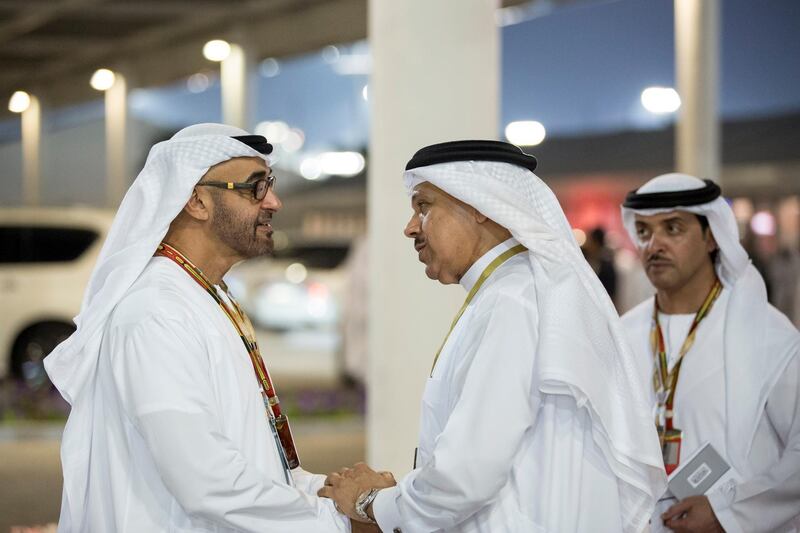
x=583 y=68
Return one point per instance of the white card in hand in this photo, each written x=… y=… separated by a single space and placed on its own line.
x=699 y=473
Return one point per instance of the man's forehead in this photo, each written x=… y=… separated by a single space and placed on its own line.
x=661 y=217
x=425 y=188
x=238 y=167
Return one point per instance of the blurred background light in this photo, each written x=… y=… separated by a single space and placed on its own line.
x=310 y=168
x=102 y=79
x=216 y=50
x=344 y=164
x=330 y=54
x=353 y=65
x=742 y=209
x=763 y=223
x=296 y=273
x=197 y=83
x=276 y=132
x=525 y=132
x=269 y=68
x=19 y=102
x=580 y=236
x=294 y=140
x=660 y=100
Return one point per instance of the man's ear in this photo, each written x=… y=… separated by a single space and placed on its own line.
x=480 y=218
x=199 y=204
x=711 y=242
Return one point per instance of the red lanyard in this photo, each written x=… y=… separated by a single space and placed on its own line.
x=246 y=332
x=665 y=382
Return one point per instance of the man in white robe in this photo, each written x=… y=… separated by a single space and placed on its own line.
x=532 y=419
x=168 y=429
x=738 y=386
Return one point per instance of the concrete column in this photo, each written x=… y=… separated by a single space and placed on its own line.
x=435 y=78
x=116 y=104
x=697 y=39
x=31 y=158
x=236 y=87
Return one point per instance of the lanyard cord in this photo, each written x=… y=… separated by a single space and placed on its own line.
x=499 y=260
x=663 y=380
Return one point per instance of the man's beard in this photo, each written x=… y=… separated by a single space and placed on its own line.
x=240 y=233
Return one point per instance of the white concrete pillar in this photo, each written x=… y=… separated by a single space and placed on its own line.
x=236 y=87
x=31 y=152
x=116 y=107
x=697 y=39
x=435 y=78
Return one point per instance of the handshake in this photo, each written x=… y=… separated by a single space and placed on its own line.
x=351 y=490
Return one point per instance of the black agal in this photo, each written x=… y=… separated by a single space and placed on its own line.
x=685 y=198
x=448 y=152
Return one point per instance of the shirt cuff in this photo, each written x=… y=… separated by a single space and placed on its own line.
x=385 y=509
x=307 y=482
x=721 y=505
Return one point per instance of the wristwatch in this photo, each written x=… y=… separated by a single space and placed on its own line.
x=363 y=501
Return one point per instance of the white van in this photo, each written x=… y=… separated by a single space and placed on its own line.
x=46 y=258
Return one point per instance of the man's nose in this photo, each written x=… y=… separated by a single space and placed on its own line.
x=412 y=228
x=655 y=242
x=271 y=201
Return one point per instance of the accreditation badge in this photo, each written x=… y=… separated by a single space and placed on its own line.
x=670 y=440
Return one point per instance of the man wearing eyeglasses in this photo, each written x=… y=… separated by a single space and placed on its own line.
x=242 y=210
x=175 y=424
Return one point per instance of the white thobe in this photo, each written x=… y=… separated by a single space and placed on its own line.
x=180 y=439
x=768 y=496
x=495 y=454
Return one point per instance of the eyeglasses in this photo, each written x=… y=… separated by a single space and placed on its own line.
x=260 y=187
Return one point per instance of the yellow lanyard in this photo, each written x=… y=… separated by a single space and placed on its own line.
x=499 y=260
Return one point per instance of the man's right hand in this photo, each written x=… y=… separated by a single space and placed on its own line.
x=344 y=487
x=692 y=515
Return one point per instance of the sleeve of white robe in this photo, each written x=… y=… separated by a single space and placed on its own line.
x=162 y=373
x=308 y=482
x=473 y=455
x=769 y=500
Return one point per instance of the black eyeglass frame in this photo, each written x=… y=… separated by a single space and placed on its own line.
x=253 y=185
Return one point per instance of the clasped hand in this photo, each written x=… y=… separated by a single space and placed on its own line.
x=692 y=515
x=345 y=486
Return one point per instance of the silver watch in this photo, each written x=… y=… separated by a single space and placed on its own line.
x=363 y=501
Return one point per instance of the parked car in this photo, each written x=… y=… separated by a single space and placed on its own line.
x=46 y=258
x=300 y=289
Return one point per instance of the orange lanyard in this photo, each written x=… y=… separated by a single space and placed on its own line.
x=665 y=382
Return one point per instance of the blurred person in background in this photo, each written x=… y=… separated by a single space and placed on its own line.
x=759 y=260
x=784 y=273
x=354 y=320
x=601 y=258
x=175 y=425
x=721 y=363
x=531 y=419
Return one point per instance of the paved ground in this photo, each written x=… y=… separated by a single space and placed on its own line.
x=30 y=470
